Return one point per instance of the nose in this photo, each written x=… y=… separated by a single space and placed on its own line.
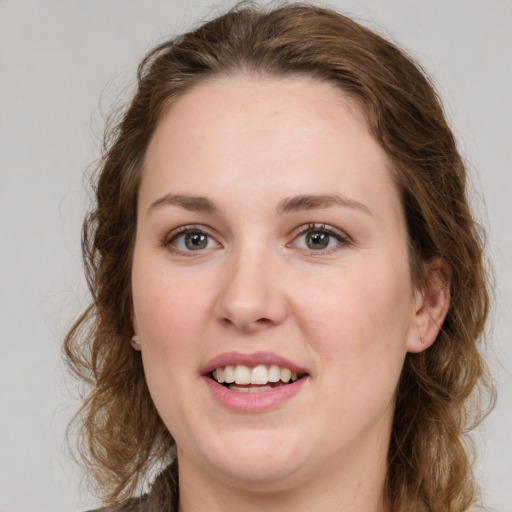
x=250 y=298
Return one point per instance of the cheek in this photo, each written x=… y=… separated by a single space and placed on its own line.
x=360 y=322
x=167 y=312
x=165 y=303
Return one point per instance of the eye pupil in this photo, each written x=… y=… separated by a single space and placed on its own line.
x=317 y=240
x=196 y=241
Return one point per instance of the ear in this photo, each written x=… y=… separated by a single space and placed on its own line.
x=431 y=305
x=135 y=341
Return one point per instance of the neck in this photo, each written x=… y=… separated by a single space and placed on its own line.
x=352 y=482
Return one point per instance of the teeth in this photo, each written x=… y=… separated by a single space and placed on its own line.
x=286 y=375
x=258 y=375
x=242 y=374
x=229 y=374
x=274 y=373
x=249 y=390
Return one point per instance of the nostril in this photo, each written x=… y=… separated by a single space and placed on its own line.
x=226 y=322
x=249 y=301
x=263 y=321
x=247 y=324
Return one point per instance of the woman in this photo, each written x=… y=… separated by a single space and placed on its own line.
x=288 y=285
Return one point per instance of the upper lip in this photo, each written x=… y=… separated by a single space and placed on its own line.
x=254 y=359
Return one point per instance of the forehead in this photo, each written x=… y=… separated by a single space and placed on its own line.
x=266 y=134
x=253 y=103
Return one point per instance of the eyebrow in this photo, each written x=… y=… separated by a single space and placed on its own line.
x=318 y=202
x=289 y=205
x=191 y=203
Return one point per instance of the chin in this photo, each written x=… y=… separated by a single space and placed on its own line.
x=259 y=476
x=258 y=462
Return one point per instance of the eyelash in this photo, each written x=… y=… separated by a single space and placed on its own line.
x=170 y=240
x=340 y=236
x=343 y=240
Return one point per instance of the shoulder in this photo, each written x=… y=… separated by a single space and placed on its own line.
x=164 y=495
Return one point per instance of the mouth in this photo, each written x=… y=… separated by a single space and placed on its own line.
x=246 y=379
x=254 y=382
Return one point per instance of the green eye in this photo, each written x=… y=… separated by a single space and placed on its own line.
x=190 y=239
x=196 y=241
x=317 y=240
x=320 y=239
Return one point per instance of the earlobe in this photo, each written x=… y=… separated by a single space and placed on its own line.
x=432 y=304
x=135 y=341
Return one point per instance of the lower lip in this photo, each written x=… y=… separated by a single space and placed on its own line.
x=254 y=402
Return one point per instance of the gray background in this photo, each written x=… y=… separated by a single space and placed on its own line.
x=63 y=65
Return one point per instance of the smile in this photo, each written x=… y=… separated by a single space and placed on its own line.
x=244 y=379
x=252 y=383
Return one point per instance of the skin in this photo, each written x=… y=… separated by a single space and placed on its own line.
x=347 y=314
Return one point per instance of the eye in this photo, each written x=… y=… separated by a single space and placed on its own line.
x=189 y=239
x=320 y=239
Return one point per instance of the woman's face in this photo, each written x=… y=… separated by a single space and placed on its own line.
x=271 y=245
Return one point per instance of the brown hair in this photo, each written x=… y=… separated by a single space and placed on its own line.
x=429 y=462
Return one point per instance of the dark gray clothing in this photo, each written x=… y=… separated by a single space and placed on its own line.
x=163 y=497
